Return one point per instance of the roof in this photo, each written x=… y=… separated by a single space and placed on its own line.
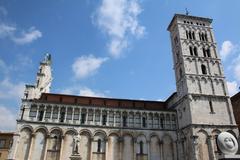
x=102 y=102
x=189 y=17
x=235 y=97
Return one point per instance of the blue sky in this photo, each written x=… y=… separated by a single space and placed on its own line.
x=112 y=48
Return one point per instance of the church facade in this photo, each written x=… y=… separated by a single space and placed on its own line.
x=184 y=127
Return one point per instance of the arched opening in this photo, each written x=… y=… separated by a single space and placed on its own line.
x=193 y=35
x=191 y=50
x=204 y=69
x=195 y=51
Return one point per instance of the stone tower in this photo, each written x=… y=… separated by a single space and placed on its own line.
x=202 y=104
x=43 y=80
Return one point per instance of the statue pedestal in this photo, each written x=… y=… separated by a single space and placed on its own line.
x=75 y=157
x=229 y=157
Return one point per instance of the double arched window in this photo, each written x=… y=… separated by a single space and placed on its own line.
x=190 y=35
x=203 y=36
x=193 y=51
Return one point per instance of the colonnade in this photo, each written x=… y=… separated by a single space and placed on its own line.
x=103 y=116
x=42 y=144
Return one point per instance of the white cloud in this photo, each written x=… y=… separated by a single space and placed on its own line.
x=83 y=91
x=10 y=90
x=25 y=37
x=119 y=19
x=88 y=92
x=226 y=49
x=85 y=66
x=7 y=119
x=6 y=30
x=232 y=87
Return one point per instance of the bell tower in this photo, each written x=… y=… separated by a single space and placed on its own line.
x=202 y=97
x=43 y=80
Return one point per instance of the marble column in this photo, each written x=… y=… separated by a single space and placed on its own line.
x=46 y=146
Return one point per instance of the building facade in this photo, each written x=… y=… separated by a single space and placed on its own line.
x=6 y=139
x=184 y=127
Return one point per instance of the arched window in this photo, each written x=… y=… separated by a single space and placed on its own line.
x=206 y=38
x=195 y=51
x=193 y=35
x=124 y=120
x=191 y=50
x=204 y=70
x=204 y=52
x=203 y=37
x=187 y=34
x=99 y=143
x=208 y=52
x=141 y=147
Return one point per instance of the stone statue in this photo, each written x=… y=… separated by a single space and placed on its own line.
x=76 y=141
x=227 y=143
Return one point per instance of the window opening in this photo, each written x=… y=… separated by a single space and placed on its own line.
x=211 y=107
x=99 y=145
x=195 y=51
x=204 y=70
x=104 y=120
x=144 y=122
x=83 y=118
x=62 y=115
x=191 y=50
x=124 y=121
x=141 y=147
x=40 y=115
